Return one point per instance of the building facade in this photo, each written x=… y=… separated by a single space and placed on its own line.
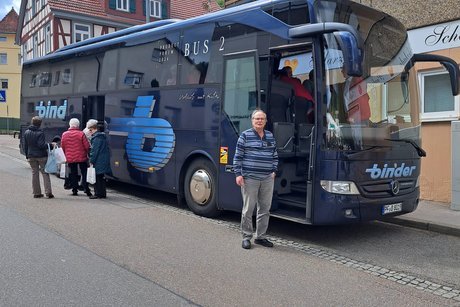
x=10 y=73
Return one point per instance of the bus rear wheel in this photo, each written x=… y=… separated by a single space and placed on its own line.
x=200 y=187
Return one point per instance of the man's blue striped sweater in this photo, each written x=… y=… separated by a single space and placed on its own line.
x=255 y=157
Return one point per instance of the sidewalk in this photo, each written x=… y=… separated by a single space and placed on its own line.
x=432 y=216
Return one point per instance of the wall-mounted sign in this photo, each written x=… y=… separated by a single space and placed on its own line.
x=436 y=37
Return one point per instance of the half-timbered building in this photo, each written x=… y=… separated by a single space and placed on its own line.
x=47 y=25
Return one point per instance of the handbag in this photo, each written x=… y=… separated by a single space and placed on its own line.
x=51 y=165
x=91 y=175
x=59 y=155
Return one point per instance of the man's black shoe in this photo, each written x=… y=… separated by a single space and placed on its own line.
x=263 y=242
x=246 y=244
x=38 y=196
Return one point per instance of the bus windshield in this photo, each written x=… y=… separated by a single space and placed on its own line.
x=381 y=105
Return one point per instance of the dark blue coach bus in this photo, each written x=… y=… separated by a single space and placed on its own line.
x=175 y=95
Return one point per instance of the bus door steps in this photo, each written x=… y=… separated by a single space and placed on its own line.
x=295 y=216
x=292 y=202
x=299 y=187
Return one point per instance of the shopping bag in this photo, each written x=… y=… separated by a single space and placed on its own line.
x=63 y=171
x=91 y=175
x=51 y=165
x=59 y=154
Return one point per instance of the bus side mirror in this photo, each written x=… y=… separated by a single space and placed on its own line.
x=453 y=74
x=348 y=38
x=352 y=54
x=450 y=65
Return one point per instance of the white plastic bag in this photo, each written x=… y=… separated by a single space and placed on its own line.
x=59 y=155
x=63 y=171
x=51 y=165
x=91 y=175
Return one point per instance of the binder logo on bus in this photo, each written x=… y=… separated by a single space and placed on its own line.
x=142 y=130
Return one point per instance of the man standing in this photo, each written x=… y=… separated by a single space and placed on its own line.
x=36 y=153
x=255 y=162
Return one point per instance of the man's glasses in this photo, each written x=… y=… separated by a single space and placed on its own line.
x=258 y=118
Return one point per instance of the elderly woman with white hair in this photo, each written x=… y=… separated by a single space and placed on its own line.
x=76 y=149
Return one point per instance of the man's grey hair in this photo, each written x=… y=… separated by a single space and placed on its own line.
x=74 y=123
x=257 y=111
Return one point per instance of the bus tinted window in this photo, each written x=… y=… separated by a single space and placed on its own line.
x=196 y=53
x=108 y=75
x=86 y=73
x=62 y=74
x=36 y=81
x=149 y=65
x=292 y=13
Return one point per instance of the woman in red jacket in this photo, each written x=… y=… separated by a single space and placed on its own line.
x=76 y=149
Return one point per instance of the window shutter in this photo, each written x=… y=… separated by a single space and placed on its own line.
x=132 y=6
x=113 y=4
x=164 y=10
x=143 y=6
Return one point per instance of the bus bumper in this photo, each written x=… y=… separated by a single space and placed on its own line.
x=343 y=209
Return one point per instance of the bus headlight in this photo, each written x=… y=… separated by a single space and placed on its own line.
x=340 y=187
x=417 y=183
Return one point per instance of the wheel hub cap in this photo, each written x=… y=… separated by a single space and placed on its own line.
x=200 y=187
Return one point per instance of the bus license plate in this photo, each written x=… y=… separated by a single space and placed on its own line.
x=386 y=209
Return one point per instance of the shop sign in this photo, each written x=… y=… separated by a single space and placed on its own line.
x=435 y=37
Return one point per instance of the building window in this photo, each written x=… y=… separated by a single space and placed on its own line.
x=2 y=38
x=155 y=8
x=123 y=5
x=3 y=58
x=80 y=32
x=24 y=52
x=437 y=100
x=35 y=47
x=4 y=83
x=47 y=35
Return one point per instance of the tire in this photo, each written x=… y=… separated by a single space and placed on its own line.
x=200 y=188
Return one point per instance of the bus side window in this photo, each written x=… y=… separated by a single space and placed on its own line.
x=196 y=53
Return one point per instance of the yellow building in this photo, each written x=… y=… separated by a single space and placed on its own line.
x=10 y=73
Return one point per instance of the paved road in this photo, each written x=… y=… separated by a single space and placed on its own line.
x=40 y=267
x=124 y=241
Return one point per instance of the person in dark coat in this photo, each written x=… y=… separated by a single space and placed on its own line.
x=36 y=152
x=99 y=157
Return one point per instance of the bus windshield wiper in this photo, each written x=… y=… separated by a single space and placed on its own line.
x=420 y=151
x=367 y=148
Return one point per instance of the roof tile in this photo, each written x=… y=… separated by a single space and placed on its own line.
x=86 y=7
x=9 y=23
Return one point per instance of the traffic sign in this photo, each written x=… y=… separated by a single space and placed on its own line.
x=2 y=96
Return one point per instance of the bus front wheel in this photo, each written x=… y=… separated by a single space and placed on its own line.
x=200 y=186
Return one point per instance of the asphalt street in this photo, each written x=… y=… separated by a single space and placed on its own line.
x=125 y=251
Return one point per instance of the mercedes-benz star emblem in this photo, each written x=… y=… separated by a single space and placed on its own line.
x=395 y=187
